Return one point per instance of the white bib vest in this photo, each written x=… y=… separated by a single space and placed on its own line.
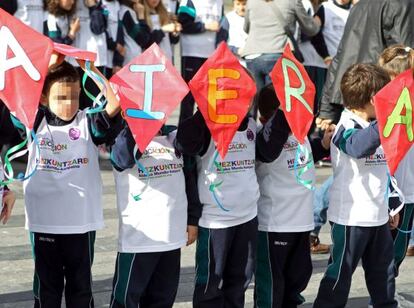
x=202 y=45
x=405 y=176
x=132 y=49
x=358 y=193
x=333 y=30
x=64 y=195
x=1 y=179
x=152 y=207
x=165 y=43
x=31 y=13
x=86 y=40
x=284 y=204
x=113 y=8
x=58 y=23
x=239 y=190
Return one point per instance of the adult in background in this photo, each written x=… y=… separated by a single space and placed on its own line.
x=372 y=26
x=266 y=22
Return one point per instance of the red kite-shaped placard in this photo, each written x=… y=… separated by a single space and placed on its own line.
x=223 y=91
x=296 y=93
x=24 y=60
x=74 y=52
x=394 y=110
x=149 y=89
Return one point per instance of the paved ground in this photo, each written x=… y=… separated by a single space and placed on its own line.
x=16 y=264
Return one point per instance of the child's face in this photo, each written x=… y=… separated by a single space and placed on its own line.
x=66 y=4
x=153 y=3
x=239 y=7
x=63 y=99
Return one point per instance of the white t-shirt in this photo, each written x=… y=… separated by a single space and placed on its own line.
x=202 y=45
x=284 y=204
x=132 y=49
x=31 y=13
x=405 y=176
x=358 y=192
x=154 y=218
x=86 y=40
x=165 y=43
x=113 y=8
x=64 y=195
x=237 y=36
x=239 y=190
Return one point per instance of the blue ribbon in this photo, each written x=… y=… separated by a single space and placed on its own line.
x=213 y=188
x=299 y=171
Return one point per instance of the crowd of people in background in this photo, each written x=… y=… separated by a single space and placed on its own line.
x=335 y=39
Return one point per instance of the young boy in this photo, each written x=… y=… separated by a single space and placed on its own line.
x=200 y=24
x=358 y=210
x=227 y=237
x=285 y=210
x=232 y=29
x=152 y=207
x=64 y=196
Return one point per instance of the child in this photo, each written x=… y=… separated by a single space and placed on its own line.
x=200 y=21
x=285 y=210
x=358 y=211
x=152 y=207
x=64 y=196
x=226 y=244
x=397 y=59
x=58 y=25
x=232 y=29
x=136 y=31
x=164 y=31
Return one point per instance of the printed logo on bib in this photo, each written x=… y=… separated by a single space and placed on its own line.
x=160 y=171
x=53 y=165
x=300 y=164
x=291 y=145
x=49 y=145
x=74 y=133
x=250 y=134
x=376 y=160
x=156 y=151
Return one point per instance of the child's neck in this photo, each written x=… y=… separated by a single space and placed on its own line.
x=363 y=114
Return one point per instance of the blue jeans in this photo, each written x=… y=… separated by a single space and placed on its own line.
x=320 y=205
x=260 y=68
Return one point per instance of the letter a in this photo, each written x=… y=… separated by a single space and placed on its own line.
x=20 y=58
x=397 y=118
x=146 y=113
x=295 y=92
x=214 y=95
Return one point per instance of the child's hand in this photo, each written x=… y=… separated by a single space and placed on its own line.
x=90 y=3
x=192 y=232
x=178 y=27
x=139 y=10
x=394 y=221
x=8 y=202
x=327 y=136
x=116 y=69
x=212 y=26
x=74 y=28
x=56 y=59
x=168 y=28
x=121 y=49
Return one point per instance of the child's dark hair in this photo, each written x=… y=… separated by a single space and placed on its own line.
x=267 y=101
x=65 y=72
x=360 y=83
x=53 y=7
x=128 y=3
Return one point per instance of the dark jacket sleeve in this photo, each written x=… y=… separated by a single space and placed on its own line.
x=122 y=151
x=98 y=19
x=318 y=41
x=358 y=142
x=191 y=189
x=56 y=35
x=139 y=32
x=10 y=6
x=104 y=129
x=186 y=17
x=118 y=59
x=272 y=137
x=193 y=136
x=8 y=131
x=223 y=34
x=156 y=36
